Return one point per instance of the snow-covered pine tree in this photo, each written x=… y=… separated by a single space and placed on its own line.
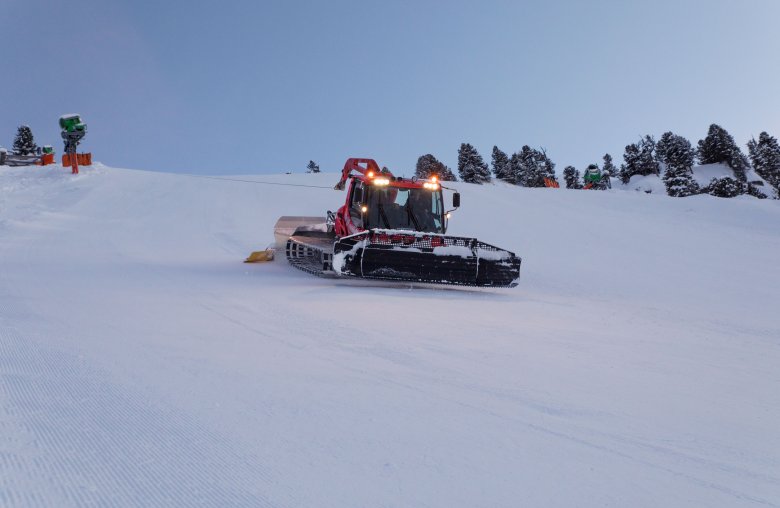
x=483 y=171
x=725 y=187
x=661 y=147
x=446 y=174
x=609 y=167
x=630 y=158
x=516 y=167
x=502 y=169
x=572 y=178
x=24 y=143
x=465 y=165
x=313 y=167
x=531 y=166
x=425 y=164
x=647 y=163
x=523 y=164
x=756 y=192
x=471 y=167
x=765 y=156
x=719 y=146
x=542 y=168
x=677 y=154
x=428 y=165
x=639 y=159
x=466 y=169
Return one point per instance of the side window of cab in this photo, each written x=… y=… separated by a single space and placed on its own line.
x=356 y=200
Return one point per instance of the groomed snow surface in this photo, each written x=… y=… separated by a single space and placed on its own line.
x=142 y=364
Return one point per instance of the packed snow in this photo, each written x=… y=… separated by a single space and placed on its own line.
x=143 y=364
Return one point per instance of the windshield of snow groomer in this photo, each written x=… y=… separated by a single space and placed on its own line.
x=412 y=209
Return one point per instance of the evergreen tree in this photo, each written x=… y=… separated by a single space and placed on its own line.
x=24 y=144
x=677 y=154
x=516 y=167
x=630 y=158
x=544 y=168
x=647 y=165
x=756 y=192
x=609 y=167
x=425 y=166
x=502 y=169
x=663 y=144
x=447 y=175
x=428 y=165
x=719 y=147
x=523 y=165
x=639 y=159
x=471 y=167
x=765 y=156
x=572 y=178
x=312 y=167
x=531 y=166
x=725 y=187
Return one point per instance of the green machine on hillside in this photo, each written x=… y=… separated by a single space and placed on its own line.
x=595 y=179
x=73 y=130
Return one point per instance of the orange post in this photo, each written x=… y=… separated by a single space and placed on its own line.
x=71 y=160
x=76 y=159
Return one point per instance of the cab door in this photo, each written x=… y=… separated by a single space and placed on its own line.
x=349 y=219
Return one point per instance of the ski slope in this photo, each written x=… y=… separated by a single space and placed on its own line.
x=142 y=364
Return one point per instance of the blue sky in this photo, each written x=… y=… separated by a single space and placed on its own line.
x=264 y=86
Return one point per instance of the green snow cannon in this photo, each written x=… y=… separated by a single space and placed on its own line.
x=72 y=123
x=73 y=130
x=595 y=179
x=592 y=175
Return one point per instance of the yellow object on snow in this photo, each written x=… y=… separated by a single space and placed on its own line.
x=260 y=256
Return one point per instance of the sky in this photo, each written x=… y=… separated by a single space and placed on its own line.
x=256 y=87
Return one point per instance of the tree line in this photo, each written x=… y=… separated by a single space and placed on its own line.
x=671 y=158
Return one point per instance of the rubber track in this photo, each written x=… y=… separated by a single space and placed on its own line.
x=308 y=258
x=428 y=283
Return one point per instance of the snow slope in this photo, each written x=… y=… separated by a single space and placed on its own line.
x=142 y=364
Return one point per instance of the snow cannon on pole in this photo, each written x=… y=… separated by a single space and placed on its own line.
x=73 y=131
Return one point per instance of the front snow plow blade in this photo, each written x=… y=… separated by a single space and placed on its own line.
x=260 y=256
x=425 y=257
